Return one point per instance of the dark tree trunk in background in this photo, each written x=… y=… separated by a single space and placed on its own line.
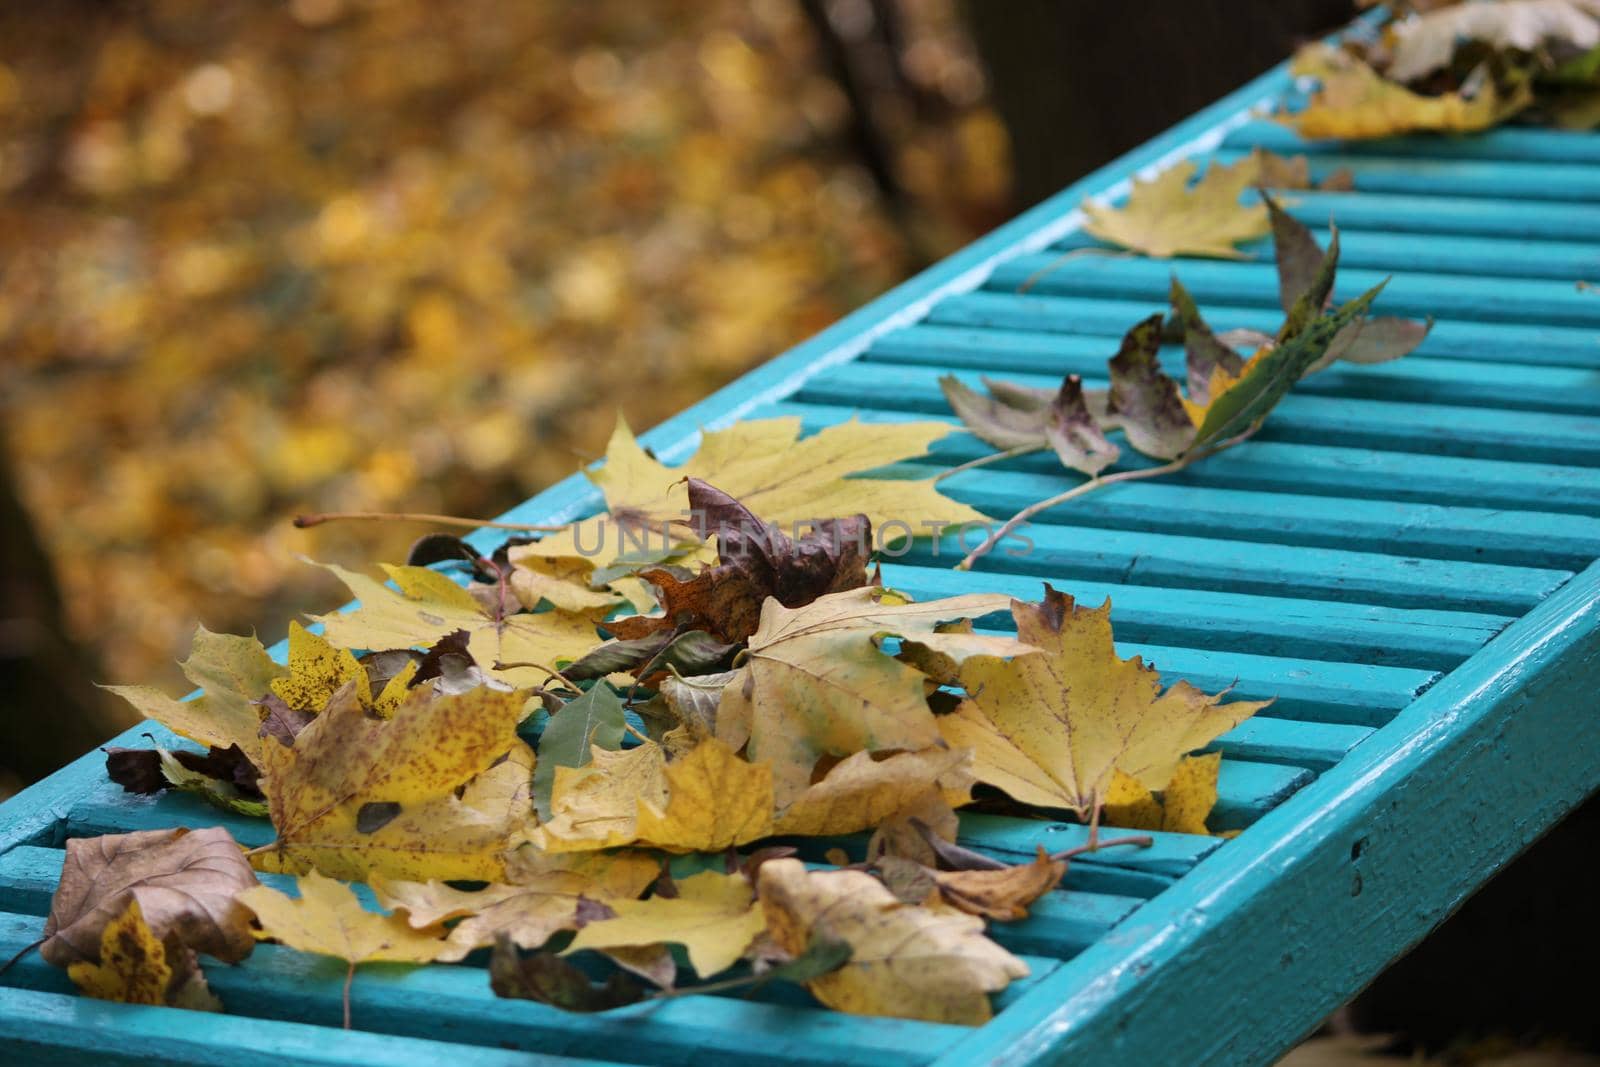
x=50 y=711
x=1079 y=82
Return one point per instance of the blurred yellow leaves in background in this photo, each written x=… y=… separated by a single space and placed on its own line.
x=263 y=258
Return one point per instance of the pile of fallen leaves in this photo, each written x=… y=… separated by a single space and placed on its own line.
x=618 y=764
x=1456 y=65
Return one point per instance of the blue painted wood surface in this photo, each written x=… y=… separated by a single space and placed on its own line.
x=1403 y=559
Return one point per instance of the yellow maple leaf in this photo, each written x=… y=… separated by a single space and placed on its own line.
x=327 y=919
x=355 y=794
x=1183 y=806
x=714 y=917
x=542 y=901
x=1164 y=216
x=135 y=967
x=818 y=684
x=234 y=672
x=1052 y=729
x=766 y=465
x=428 y=606
x=906 y=961
x=597 y=805
x=715 y=801
x=318 y=669
x=1355 y=102
x=861 y=792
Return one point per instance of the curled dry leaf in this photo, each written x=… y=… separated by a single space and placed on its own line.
x=135 y=967
x=1057 y=745
x=1165 y=216
x=714 y=917
x=548 y=979
x=906 y=961
x=755 y=560
x=1002 y=895
x=1422 y=45
x=345 y=766
x=185 y=882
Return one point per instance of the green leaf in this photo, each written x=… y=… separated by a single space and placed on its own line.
x=1272 y=374
x=595 y=718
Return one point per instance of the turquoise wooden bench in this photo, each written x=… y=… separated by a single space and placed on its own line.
x=1403 y=558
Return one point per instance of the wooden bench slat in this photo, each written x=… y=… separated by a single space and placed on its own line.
x=1384 y=250
x=1534 y=344
x=1574 y=181
x=1295 y=468
x=1436 y=429
x=42 y=1029
x=1240 y=622
x=1397 y=528
x=455 y=1003
x=1411 y=292
x=1516 y=144
x=1137 y=557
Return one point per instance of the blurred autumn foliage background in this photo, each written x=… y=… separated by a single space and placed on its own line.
x=262 y=257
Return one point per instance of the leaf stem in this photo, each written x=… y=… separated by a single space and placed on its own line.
x=501 y=665
x=318 y=518
x=1085 y=488
x=25 y=950
x=1139 y=840
x=349 y=977
x=1055 y=264
x=984 y=461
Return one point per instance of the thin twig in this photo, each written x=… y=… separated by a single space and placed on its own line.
x=1084 y=488
x=984 y=461
x=1138 y=840
x=501 y=665
x=25 y=950
x=1055 y=264
x=318 y=518
x=349 y=976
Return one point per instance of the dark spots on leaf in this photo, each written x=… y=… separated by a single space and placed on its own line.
x=374 y=816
